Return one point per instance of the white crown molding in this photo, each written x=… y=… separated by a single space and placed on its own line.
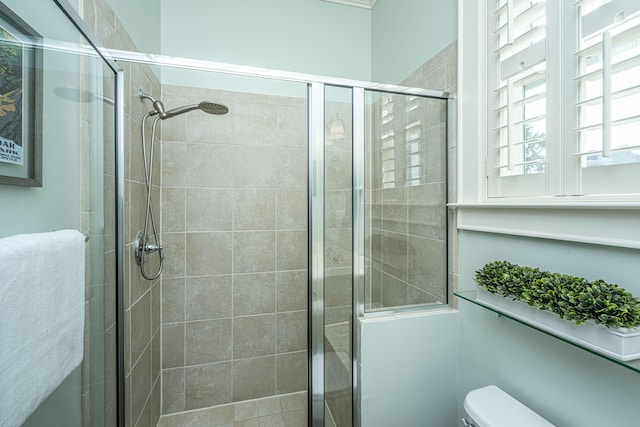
x=366 y=4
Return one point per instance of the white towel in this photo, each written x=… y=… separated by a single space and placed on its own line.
x=41 y=318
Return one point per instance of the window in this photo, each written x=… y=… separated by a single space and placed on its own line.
x=608 y=102
x=563 y=97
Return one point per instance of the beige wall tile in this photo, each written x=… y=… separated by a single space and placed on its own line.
x=140 y=383
x=394 y=254
x=173 y=344
x=208 y=165
x=172 y=390
x=210 y=129
x=174 y=254
x=254 y=294
x=428 y=221
x=208 y=209
x=254 y=251
x=173 y=164
x=208 y=253
x=292 y=250
x=291 y=331
x=255 y=167
x=208 y=297
x=254 y=209
x=207 y=385
x=291 y=289
x=140 y=334
x=292 y=372
x=207 y=341
x=394 y=291
x=173 y=130
x=292 y=209
x=292 y=168
x=173 y=300
x=173 y=210
x=254 y=378
x=427 y=264
x=254 y=336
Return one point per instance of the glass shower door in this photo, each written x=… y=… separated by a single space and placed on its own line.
x=63 y=109
x=338 y=229
x=331 y=274
x=378 y=225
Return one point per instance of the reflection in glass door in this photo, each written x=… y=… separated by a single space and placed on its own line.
x=338 y=258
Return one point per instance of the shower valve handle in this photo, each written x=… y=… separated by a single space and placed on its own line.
x=150 y=248
x=141 y=247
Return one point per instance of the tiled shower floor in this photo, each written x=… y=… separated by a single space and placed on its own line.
x=288 y=410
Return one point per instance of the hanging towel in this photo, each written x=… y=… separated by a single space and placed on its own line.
x=41 y=318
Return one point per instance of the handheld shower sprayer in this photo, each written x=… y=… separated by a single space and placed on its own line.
x=147 y=241
x=158 y=107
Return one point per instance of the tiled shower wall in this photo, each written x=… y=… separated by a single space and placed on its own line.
x=234 y=221
x=441 y=73
x=408 y=230
x=142 y=360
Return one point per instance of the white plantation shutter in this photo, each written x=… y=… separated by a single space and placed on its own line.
x=517 y=145
x=608 y=104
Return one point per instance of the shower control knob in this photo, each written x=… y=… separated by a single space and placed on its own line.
x=150 y=247
x=141 y=247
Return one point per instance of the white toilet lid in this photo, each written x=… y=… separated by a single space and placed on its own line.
x=491 y=407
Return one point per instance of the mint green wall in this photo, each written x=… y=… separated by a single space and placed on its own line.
x=409 y=370
x=307 y=36
x=566 y=385
x=406 y=33
x=141 y=19
x=57 y=204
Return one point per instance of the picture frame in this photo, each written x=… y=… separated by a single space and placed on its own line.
x=20 y=102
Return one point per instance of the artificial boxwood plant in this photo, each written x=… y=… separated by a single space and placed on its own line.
x=571 y=298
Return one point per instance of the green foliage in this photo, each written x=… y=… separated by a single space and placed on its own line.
x=571 y=298
x=10 y=66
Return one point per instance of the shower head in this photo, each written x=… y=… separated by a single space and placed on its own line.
x=158 y=106
x=207 y=107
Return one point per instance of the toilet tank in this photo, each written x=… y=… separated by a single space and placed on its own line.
x=491 y=407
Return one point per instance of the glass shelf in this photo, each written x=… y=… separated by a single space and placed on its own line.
x=470 y=296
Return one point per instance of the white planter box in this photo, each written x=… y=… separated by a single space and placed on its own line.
x=619 y=343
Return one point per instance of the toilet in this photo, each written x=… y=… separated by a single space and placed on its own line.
x=491 y=407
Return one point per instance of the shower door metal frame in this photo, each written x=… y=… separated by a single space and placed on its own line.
x=358 y=241
x=315 y=197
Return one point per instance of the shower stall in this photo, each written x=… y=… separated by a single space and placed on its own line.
x=312 y=203
x=244 y=221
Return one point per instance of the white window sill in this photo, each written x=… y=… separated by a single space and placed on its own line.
x=595 y=222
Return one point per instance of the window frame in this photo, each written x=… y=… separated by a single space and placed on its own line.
x=561 y=213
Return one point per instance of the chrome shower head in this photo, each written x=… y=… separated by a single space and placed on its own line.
x=207 y=107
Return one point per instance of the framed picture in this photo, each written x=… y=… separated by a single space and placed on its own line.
x=20 y=102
